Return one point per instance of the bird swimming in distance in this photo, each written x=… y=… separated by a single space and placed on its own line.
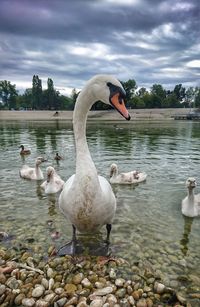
x=190 y=205
x=87 y=199
x=126 y=178
x=58 y=157
x=32 y=173
x=24 y=151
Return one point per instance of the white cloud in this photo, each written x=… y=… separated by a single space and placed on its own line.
x=193 y=64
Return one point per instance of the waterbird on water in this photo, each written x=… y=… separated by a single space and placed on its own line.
x=31 y=173
x=126 y=178
x=190 y=205
x=87 y=199
x=54 y=183
x=58 y=157
x=24 y=151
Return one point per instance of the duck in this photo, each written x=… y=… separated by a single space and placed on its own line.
x=54 y=183
x=58 y=157
x=87 y=199
x=126 y=178
x=24 y=151
x=31 y=173
x=190 y=205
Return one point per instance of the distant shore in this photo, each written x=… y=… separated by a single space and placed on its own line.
x=111 y=115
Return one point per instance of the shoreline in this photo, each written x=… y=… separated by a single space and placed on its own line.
x=111 y=115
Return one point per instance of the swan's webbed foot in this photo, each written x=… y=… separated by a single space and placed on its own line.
x=70 y=247
x=67 y=249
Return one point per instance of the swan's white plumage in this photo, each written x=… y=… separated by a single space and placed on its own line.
x=31 y=173
x=126 y=178
x=191 y=203
x=87 y=199
x=54 y=183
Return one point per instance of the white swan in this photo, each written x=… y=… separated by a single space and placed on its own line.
x=35 y=173
x=191 y=203
x=87 y=199
x=125 y=178
x=54 y=183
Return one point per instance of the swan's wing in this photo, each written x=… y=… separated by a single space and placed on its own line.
x=63 y=195
x=27 y=172
x=43 y=185
x=141 y=177
x=109 y=200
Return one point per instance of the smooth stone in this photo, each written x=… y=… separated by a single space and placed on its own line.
x=38 y=291
x=28 y=302
x=141 y=303
x=12 y=283
x=19 y=298
x=86 y=283
x=112 y=274
x=159 y=288
x=99 y=285
x=41 y=303
x=120 y=293
x=50 y=273
x=97 y=303
x=70 y=288
x=103 y=291
x=111 y=299
x=45 y=283
x=51 y=283
x=61 y=302
x=59 y=291
x=49 y=297
x=2 y=289
x=119 y=282
x=2 y=278
x=72 y=301
x=78 y=278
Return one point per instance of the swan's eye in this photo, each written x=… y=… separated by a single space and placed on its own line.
x=120 y=99
x=114 y=89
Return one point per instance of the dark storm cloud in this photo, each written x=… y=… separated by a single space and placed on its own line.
x=69 y=41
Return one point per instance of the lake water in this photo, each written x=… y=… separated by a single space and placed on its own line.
x=148 y=229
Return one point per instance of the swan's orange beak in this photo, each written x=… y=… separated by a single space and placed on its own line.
x=118 y=103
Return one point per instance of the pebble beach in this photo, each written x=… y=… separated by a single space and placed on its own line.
x=28 y=279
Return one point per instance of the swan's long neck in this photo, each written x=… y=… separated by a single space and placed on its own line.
x=38 y=170
x=83 y=104
x=191 y=195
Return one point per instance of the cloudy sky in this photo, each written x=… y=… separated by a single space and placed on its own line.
x=69 y=41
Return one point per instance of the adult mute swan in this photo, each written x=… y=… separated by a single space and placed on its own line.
x=23 y=151
x=125 y=178
x=191 y=203
x=87 y=199
x=31 y=173
x=54 y=183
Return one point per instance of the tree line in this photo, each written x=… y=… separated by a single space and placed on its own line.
x=36 y=98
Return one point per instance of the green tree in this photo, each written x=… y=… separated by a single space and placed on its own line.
x=74 y=95
x=158 y=95
x=130 y=88
x=179 y=91
x=197 y=97
x=50 y=94
x=36 y=92
x=8 y=94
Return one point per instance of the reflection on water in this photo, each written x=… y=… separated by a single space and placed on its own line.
x=186 y=233
x=148 y=225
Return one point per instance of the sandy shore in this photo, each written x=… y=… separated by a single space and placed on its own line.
x=112 y=115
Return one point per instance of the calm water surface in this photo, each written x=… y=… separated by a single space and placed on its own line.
x=148 y=227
